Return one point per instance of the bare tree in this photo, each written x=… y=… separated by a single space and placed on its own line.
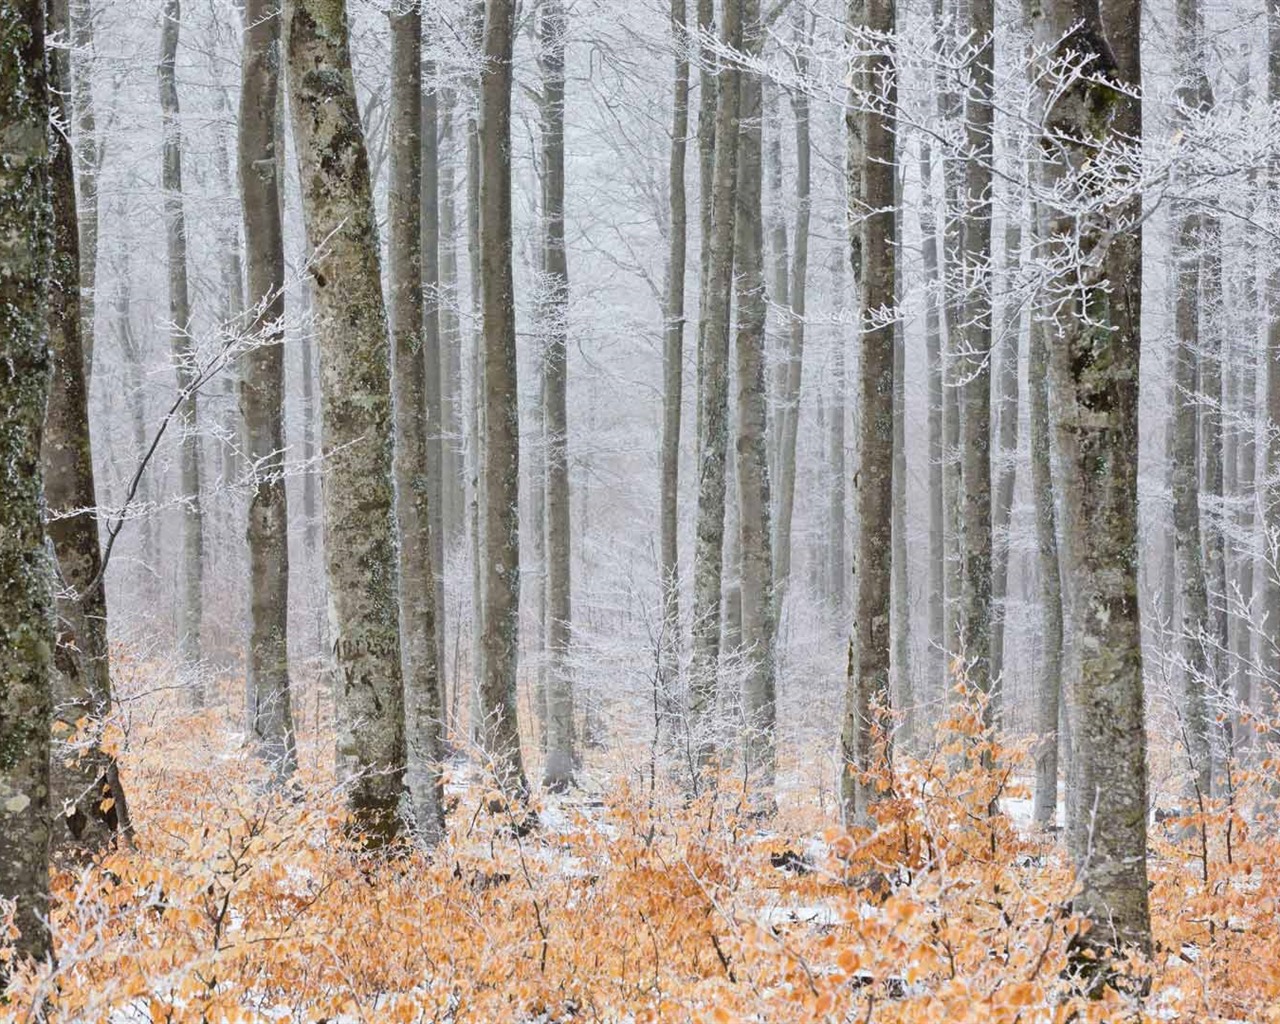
x=553 y=29
x=872 y=156
x=433 y=356
x=410 y=352
x=26 y=600
x=797 y=298
x=184 y=351
x=1094 y=346
x=500 y=733
x=355 y=392
x=673 y=349
x=759 y=615
x=85 y=778
x=261 y=169
x=975 y=365
x=713 y=398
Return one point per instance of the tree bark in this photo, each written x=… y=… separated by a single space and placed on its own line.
x=797 y=290
x=1049 y=690
x=673 y=356
x=262 y=388
x=937 y=651
x=85 y=779
x=713 y=386
x=26 y=600
x=184 y=355
x=475 y=471
x=1269 y=650
x=1006 y=463
x=411 y=348
x=553 y=29
x=1094 y=371
x=500 y=733
x=872 y=153
x=355 y=400
x=452 y=407
x=90 y=164
x=759 y=614
x=900 y=613
x=1192 y=579
x=975 y=611
x=433 y=355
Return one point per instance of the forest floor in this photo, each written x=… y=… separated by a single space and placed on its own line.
x=627 y=903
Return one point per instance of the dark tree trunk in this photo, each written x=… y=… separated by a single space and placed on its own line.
x=26 y=600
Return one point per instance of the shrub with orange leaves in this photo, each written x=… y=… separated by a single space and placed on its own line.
x=243 y=903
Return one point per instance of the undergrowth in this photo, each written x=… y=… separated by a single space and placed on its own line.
x=240 y=903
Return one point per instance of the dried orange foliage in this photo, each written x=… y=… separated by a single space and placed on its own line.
x=239 y=904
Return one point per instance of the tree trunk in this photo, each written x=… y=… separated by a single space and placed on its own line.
x=26 y=600
x=231 y=308
x=759 y=615
x=262 y=390
x=1095 y=387
x=1049 y=691
x=90 y=163
x=500 y=733
x=1269 y=650
x=872 y=155
x=797 y=295
x=355 y=401
x=951 y=111
x=135 y=398
x=475 y=471
x=1006 y=465
x=452 y=406
x=975 y=583
x=837 y=580
x=411 y=349
x=673 y=358
x=85 y=780
x=184 y=354
x=433 y=357
x=1192 y=580
x=937 y=649
x=713 y=386
x=553 y=28
x=900 y=614
x=1244 y=496
x=1212 y=522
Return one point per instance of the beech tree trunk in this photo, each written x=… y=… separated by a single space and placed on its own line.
x=673 y=356
x=872 y=154
x=355 y=407
x=1269 y=651
x=411 y=353
x=553 y=28
x=1006 y=462
x=713 y=387
x=797 y=289
x=452 y=405
x=85 y=780
x=936 y=658
x=262 y=387
x=759 y=615
x=975 y=583
x=1049 y=689
x=26 y=600
x=432 y=354
x=1095 y=387
x=500 y=733
x=89 y=165
x=182 y=342
x=1192 y=580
